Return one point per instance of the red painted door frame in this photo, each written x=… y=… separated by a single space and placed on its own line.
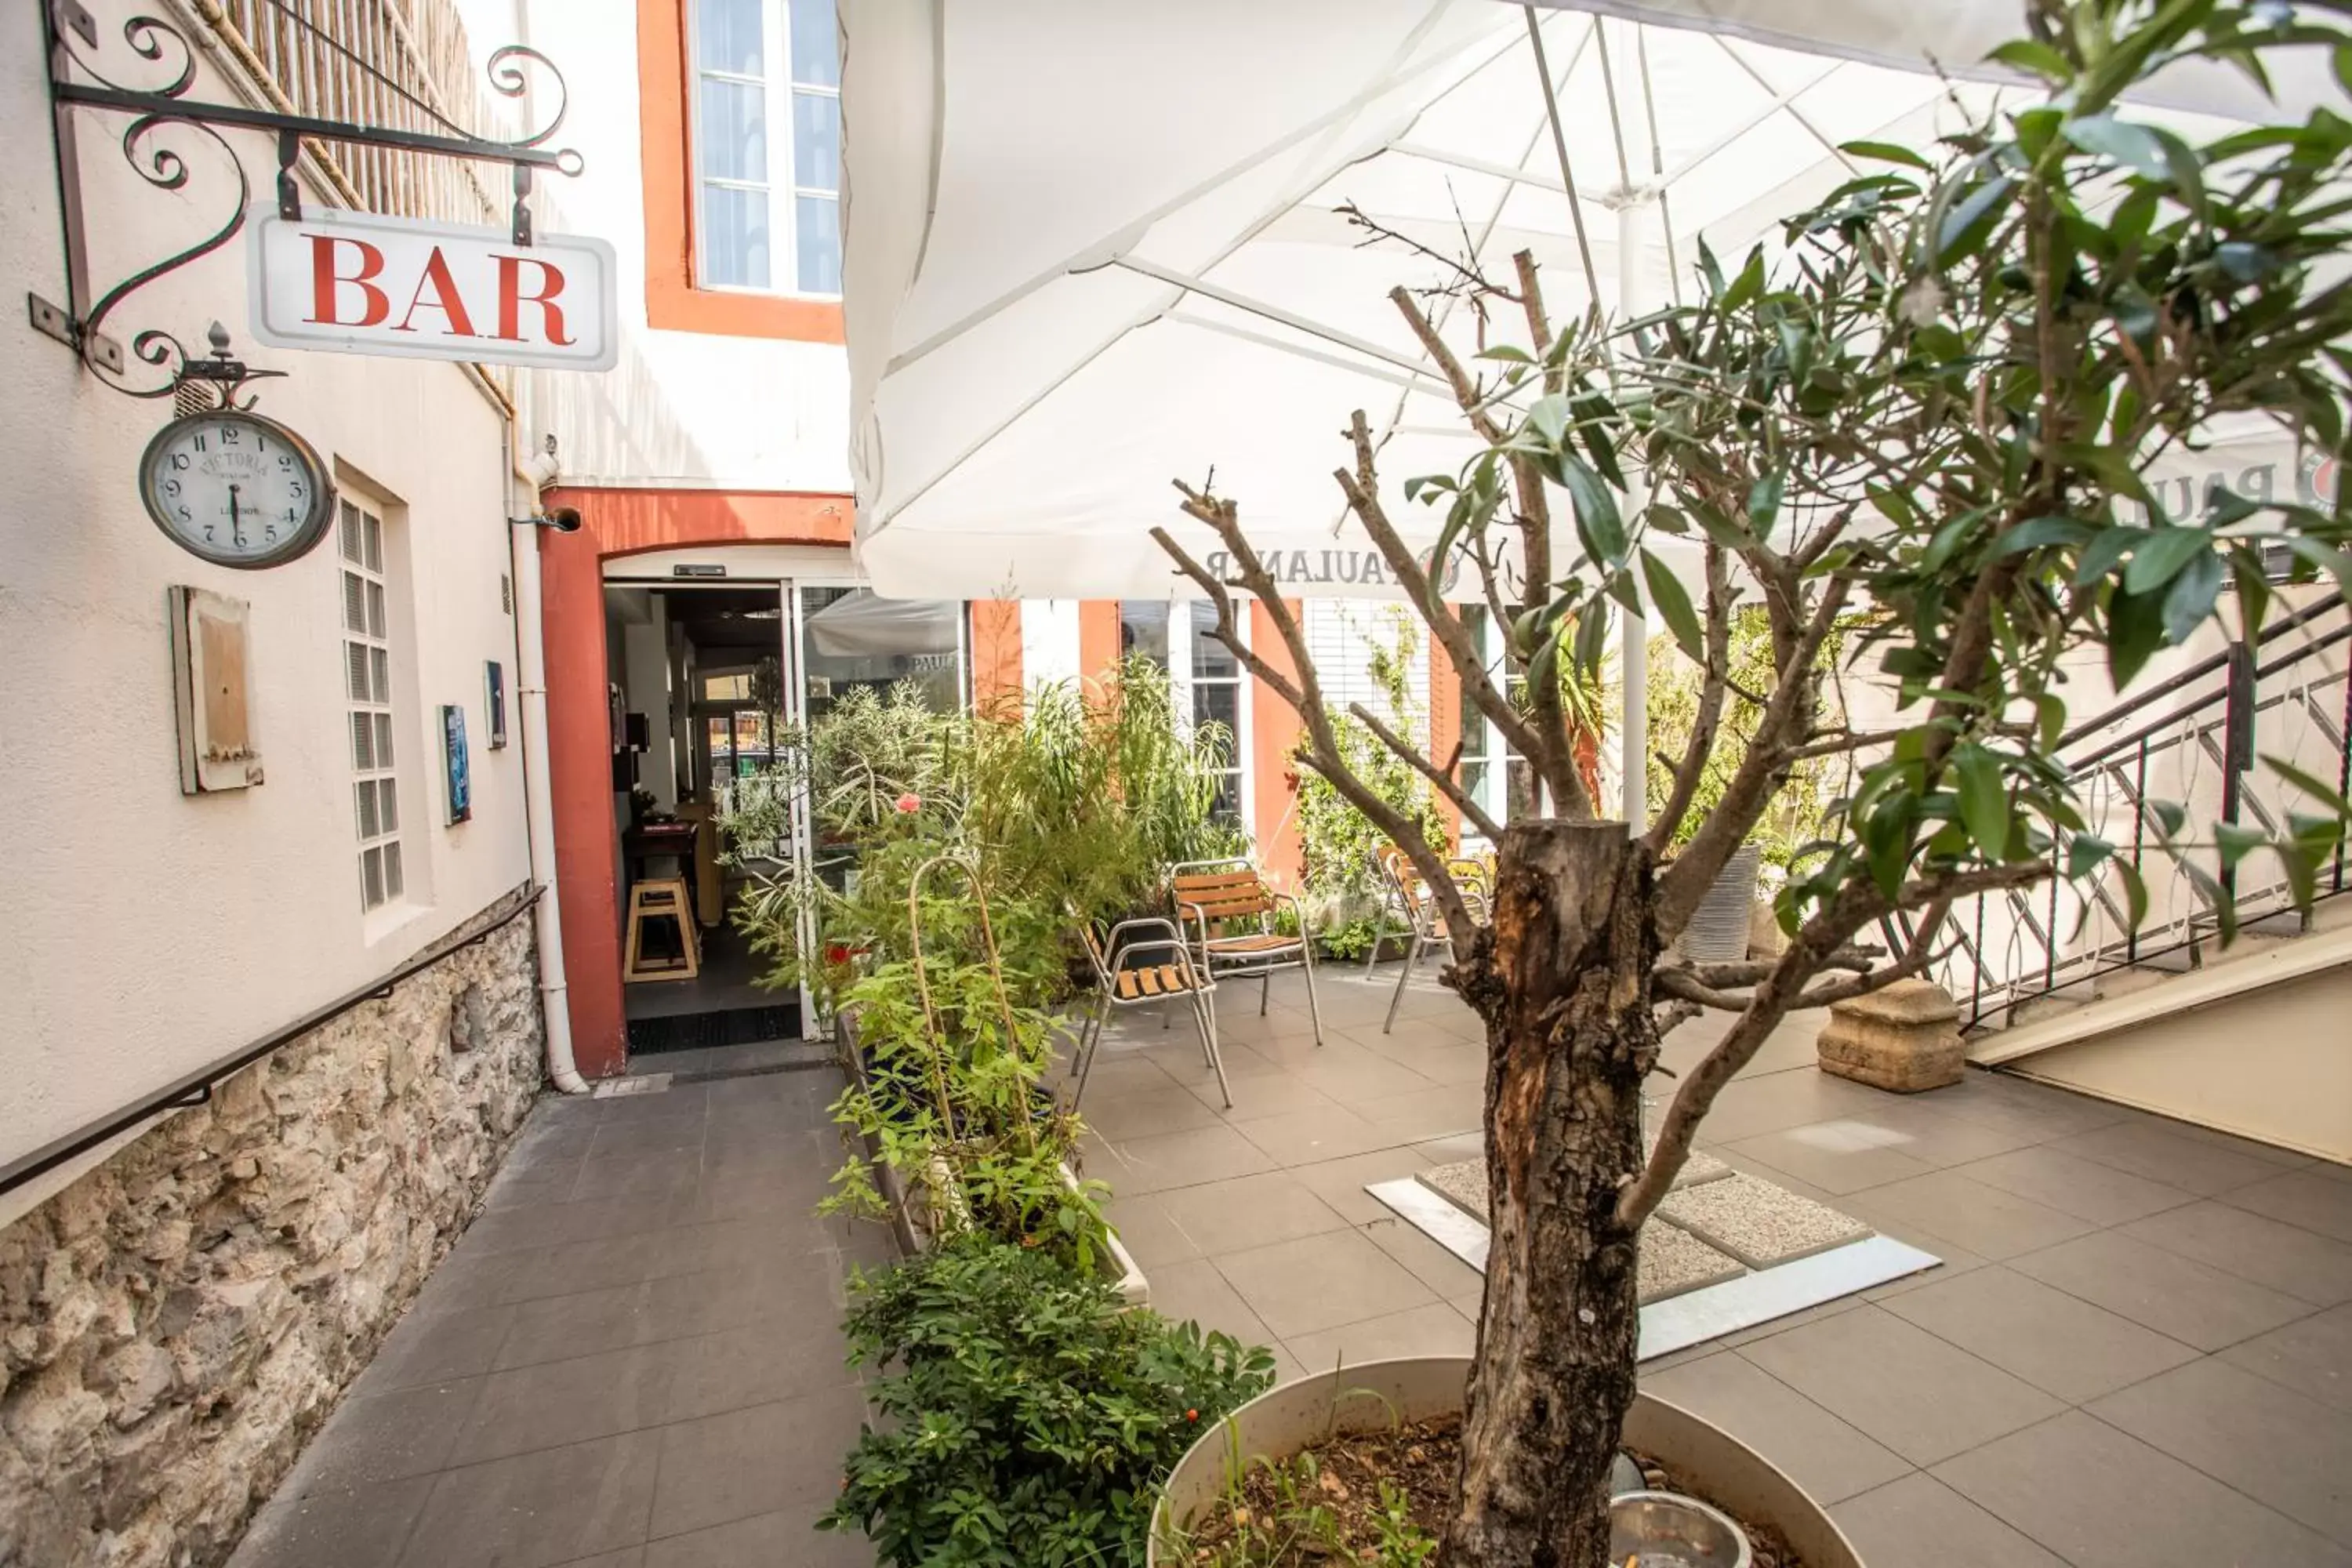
x=579 y=723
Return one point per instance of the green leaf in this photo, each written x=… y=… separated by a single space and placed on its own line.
x=2135 y=631
x=2170 y=816
x=1597 y=523
x=1591 y=642
x=1673 y=602
x=1721 y=528
x=1970 y=219
x=1885 y=153
x=1764 y=500
x=1508 y=353
x=2038 y=533
x=2134 y=145
x=1984 y=800
x=2135 y=894
x=1749 y=284
x=2187 y=170
x=2333 y=561
x=2105 y=551
x=2311 y=785
x=2085 y=852
x=1667 y=520
x=2161 y=556
x=2234 y=843
x=2035 y=59
x=1435 y=484
x=2049 y=719
x=2190 y=598
x=1549 y=418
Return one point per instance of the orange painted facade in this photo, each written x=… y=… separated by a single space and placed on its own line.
x=1445 y=726
x=1274 y=729
x=996 y=656
x=579 y=715
x=674 y=301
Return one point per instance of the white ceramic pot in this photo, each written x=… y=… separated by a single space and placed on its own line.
x=1282 y=1421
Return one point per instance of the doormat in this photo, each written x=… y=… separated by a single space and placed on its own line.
x=699 y=1031
x=1725 y=1251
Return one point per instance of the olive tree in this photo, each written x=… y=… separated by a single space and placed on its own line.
x=1934 y=405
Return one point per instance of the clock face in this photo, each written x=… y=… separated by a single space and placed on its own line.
x=235 y=489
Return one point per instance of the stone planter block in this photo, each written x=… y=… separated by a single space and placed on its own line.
x=1906 y=1039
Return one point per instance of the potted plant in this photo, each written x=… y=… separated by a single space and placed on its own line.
x=1937 y=411
x=1379 y=1397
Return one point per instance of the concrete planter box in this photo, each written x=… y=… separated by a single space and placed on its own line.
x=1279 y=1422
x=918 y=1216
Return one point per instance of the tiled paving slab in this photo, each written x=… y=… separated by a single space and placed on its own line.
x=1760 y=1224
x=633 y=1358
x=1674 y=1262
x=2215 y=1322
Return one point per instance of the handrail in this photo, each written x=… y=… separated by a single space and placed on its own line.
x=2194 y=673
x=196 y=1088
x=2125 y=742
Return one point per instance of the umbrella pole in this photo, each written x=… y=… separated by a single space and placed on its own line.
x=1633 y=658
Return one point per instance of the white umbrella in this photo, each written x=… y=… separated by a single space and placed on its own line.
x=1094 y=247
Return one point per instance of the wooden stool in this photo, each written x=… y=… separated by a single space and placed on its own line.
x=664 y=898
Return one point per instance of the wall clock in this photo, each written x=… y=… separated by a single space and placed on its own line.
x=235 y=489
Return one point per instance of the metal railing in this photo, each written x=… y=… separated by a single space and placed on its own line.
x=2192 y=740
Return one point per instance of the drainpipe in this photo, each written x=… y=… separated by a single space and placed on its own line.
x=539 y=801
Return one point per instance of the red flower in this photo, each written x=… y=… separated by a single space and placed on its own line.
x=836 y=953
x=1192 y=1415
x=909 y=804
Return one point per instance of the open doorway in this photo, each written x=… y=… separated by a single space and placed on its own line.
x=709 y=681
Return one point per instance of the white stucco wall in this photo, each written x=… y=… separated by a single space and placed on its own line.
x=143 y=932
x=682 y=409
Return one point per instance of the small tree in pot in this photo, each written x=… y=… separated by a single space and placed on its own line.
x=1938 y=407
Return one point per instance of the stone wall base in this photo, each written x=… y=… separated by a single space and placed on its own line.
x=176 y=1324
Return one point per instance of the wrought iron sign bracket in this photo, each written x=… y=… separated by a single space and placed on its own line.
x=73 y=37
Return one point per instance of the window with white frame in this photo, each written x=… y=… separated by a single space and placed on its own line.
x=1208 y=678
x=1508 y=792
x=767 y=145
x=367 y=690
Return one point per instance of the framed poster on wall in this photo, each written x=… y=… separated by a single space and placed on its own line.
x=494 y=710
x=459 y=775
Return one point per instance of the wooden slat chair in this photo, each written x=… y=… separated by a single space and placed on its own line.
x=1167 y=976
x=1425 y=920
x=1229 y=913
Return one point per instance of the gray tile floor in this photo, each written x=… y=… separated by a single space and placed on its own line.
x=633 y=1359
x=2138 y=1350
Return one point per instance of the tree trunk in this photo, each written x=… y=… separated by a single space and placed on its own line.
x=1562 y=980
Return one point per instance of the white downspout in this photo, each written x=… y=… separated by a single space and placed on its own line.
x=538 y=802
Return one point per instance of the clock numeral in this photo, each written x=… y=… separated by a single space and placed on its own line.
x=171 y=487
x=185 y=516
x=285 y=459
x=208 y=533
x=180 y=462
x=198 y=440
x=270 y=533
x=229 y=435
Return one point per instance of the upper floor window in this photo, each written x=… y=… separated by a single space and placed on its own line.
x=367 y=690
x=767 y=145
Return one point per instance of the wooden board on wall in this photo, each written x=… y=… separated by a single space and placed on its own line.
x=212 y=691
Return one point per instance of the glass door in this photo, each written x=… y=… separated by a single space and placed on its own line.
x=843 y=638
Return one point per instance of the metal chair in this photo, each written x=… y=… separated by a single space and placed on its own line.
x=1407 y=891
x=1230 y=911
x=1121 y=983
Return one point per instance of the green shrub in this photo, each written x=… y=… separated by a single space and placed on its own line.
x=1027 y=1420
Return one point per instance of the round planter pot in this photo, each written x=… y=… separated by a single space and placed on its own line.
x=1279 y=1422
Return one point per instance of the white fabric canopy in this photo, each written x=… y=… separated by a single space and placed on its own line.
x=1093 y=247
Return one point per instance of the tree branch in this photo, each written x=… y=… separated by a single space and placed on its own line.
x=1685 y=882
x=1439 y=779
x=1304 y=695
x=1688 y=772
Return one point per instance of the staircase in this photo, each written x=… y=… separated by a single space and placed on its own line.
x=2250 y=1037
